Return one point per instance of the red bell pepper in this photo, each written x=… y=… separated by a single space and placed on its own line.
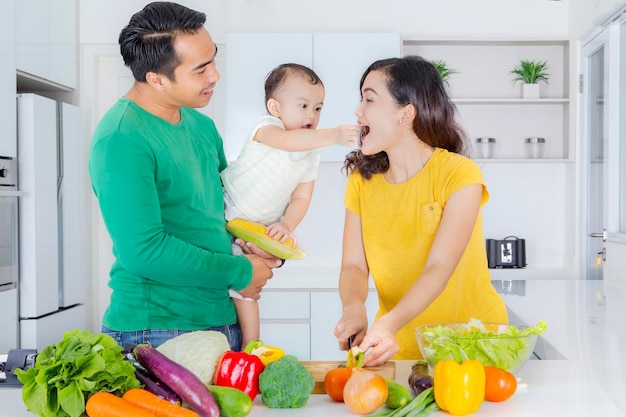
x=240 y=370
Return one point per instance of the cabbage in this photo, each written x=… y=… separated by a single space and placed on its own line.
x=198 y=351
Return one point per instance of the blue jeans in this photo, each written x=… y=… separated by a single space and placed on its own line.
x=157 y=337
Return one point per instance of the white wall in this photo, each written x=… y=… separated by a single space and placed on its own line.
x=586 y=15
x=101 y=21
x=320 y=232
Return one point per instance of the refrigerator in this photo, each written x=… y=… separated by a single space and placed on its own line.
x=51 y=221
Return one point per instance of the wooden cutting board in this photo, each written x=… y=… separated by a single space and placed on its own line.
x=319 y=369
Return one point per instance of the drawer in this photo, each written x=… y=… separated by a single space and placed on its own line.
x=293 y=338
x=285 y=305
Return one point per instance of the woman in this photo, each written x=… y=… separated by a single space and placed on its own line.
x=413 y=216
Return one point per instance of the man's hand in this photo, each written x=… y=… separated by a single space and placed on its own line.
x=262 y=265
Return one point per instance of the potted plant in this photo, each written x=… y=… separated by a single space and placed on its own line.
x=443 y=70
x=531 y=73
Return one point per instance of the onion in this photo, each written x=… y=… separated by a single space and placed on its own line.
x=365 y=392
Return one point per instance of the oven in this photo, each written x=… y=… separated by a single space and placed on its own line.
x=9 y=245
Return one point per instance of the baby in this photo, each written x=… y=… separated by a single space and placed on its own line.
x=271 y=182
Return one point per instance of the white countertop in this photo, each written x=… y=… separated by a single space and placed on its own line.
x=554 y=388
x=319 y=273
x=585 y=325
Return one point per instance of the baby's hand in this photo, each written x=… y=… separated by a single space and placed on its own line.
x=347 y=134
x=281 y=232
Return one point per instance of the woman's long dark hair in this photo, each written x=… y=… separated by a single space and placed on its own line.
x=414 y=80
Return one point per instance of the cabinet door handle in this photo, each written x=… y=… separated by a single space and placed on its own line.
x=602 y=235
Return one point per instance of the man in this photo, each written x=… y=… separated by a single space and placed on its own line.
x=155 y=167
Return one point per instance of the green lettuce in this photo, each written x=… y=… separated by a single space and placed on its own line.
x=506 y=347
x=67 y=373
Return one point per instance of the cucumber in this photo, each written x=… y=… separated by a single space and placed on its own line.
x=398 y=396
x=231 y=401
x=179 y=379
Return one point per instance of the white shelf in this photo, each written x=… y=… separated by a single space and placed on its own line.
x=510 y=101
x=489 y=101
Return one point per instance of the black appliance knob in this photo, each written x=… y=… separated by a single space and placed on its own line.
x=4 y=172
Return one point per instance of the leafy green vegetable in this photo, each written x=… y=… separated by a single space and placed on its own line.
x=67 y=373
x=506 y=347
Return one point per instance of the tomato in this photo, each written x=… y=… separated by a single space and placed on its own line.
x=365 y=392
x=500 y=385
x=334 y=382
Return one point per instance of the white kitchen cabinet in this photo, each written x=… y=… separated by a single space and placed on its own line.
x=8 y=143
x=46 y=39
x=489 y=102
x=301 y=321
x=339 y=60
x=285 y=321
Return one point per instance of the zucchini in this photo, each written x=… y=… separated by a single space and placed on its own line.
x=179 y=379
x=231 y=401
x=398 y=395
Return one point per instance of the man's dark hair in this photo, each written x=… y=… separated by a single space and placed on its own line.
x=147 y=42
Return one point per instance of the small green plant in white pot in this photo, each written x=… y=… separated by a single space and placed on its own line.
x=443 y=70
x=531 y=73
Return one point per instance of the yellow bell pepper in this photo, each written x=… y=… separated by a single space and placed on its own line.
x=267 y=354
x=459 y=388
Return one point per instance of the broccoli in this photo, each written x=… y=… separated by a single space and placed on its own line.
x=286 y=383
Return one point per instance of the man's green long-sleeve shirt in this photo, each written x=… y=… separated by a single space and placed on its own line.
x=160 y=195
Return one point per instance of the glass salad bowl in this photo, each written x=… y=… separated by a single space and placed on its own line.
x=502 y=345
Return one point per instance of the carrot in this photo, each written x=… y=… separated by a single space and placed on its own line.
x=155 y=404
x=105 y=404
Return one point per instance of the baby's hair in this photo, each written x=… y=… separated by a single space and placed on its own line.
x=276 y=78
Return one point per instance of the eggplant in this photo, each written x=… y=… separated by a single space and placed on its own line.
x=419 y=379
x=150 y=383
x=179 y=379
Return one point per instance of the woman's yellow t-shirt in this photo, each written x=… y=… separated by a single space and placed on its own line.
x=399 y=223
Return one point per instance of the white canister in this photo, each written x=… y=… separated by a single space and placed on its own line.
x=535 y=147
x=486 y=147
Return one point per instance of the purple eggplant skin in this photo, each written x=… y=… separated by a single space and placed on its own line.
x=419 y=379
x=151 y=384
x=179 y=379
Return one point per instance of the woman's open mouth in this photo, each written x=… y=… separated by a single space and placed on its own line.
x=363 y=132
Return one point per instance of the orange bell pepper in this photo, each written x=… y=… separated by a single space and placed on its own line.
x=459 y=388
